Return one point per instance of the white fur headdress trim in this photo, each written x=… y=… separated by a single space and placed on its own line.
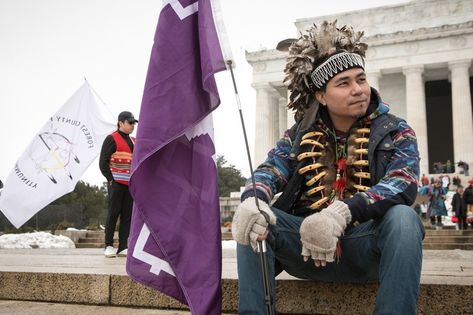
x=334 y=65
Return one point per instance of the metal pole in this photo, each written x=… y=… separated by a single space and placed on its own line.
x=261 y=244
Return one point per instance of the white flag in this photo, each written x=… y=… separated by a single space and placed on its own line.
x=56 y=158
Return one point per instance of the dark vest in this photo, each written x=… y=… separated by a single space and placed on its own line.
x=380 y=150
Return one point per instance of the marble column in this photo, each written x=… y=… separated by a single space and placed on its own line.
x=290 y=114
x=416 y=111
x=282 y=116
x=373 y=79
x=266 y=121
x=461 y=111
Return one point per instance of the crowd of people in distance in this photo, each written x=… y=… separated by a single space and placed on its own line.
x=435 y=207
x=449 y=167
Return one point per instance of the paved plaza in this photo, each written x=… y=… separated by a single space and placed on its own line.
x=439 y=266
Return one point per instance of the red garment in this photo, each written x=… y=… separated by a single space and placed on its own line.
x=120 y=161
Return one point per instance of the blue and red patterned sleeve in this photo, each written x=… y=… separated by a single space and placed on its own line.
x=273 y=174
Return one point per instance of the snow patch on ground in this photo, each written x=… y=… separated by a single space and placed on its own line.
x=35 y=240
x=228 y=244
x=74 y=229
x=47 y=240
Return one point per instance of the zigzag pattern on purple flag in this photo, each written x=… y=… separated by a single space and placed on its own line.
x=175 y=241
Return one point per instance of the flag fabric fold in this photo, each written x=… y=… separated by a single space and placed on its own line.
x=56 y=158
x=175 y=243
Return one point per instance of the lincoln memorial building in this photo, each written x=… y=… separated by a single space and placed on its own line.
x=419 y=58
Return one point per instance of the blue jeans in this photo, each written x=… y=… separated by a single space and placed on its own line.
x=388 y=251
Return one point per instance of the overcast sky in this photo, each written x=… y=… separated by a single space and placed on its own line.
x=47 y=47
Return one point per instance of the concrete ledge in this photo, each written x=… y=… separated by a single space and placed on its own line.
x=293 y=296
x=85 y=276
x=306 y=297
x=126 y=292
x=445 y=299
x=55 y=287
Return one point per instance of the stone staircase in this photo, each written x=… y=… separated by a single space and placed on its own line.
x=434 y=239
x=93 y=239
x=448 y=239
x=227 y=236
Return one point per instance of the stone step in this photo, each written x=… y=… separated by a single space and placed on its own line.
x=449 y=239
x=429 y=227
x=427 y=233
x=90 y=245
x=448 y=232
x=227 y=236
x=435 y=239
x=12 y=307
x=428 y=245
x=94 y=240
x=447 y=246
x=91 y=240
x=94 y=233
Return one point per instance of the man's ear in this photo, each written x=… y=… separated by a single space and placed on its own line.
x=320 y=97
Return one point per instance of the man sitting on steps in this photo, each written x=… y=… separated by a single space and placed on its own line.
x=347 y=170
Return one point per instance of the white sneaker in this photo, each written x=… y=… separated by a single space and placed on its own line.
x=110 y=252
x=123 y=253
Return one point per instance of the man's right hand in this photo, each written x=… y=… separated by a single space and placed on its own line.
x=320 y=232
x=249 y=224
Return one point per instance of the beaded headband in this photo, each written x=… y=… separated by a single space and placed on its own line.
x=335 y=64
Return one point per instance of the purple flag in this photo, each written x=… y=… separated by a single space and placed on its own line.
x=175 y=241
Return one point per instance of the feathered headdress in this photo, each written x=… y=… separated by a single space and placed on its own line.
x=318 y=56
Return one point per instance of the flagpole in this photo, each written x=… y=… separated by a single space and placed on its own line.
x=261 y=244
x=98 y=96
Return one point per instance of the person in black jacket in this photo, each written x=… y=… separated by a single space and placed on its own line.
x=115 y=165
x=459 y=208
x=468 y=198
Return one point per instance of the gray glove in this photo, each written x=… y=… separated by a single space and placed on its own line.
x=320 y=231
x=249 y=223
